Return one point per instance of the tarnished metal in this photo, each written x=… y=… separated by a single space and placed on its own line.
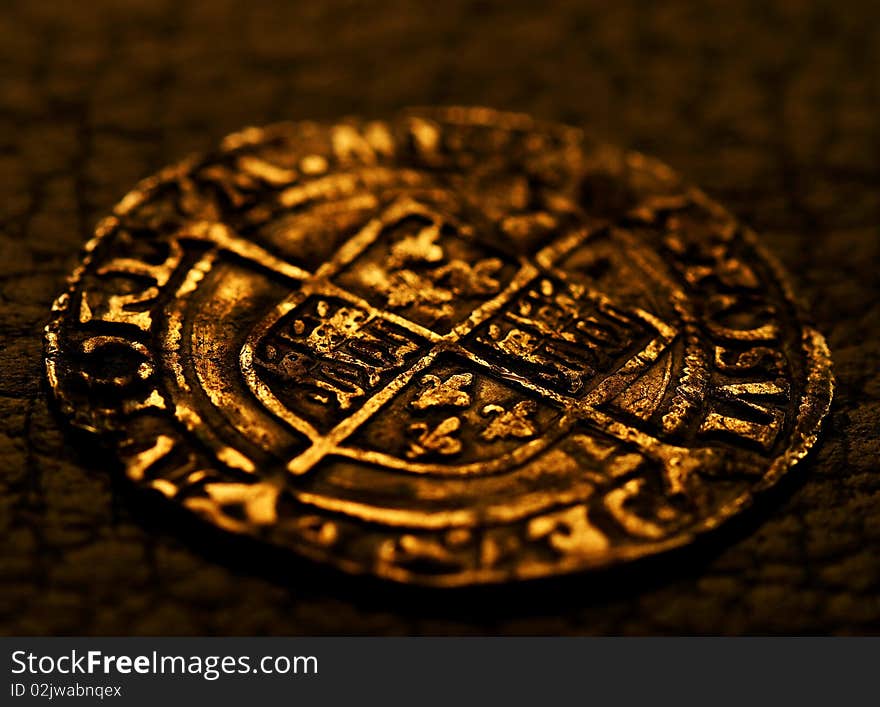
x=455 y=347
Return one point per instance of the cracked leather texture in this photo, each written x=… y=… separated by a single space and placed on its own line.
x=772 y=107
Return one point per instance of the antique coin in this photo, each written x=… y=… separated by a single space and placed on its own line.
x=454 y=347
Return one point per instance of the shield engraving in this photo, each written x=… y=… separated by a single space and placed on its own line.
x=483 y=357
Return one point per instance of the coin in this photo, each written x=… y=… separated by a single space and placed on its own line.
x=454 y=347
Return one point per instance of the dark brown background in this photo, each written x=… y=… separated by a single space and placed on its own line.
x=771 y=106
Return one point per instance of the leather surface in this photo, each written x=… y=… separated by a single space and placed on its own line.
x=772 y=107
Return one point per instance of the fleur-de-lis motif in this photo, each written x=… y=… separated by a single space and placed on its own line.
x=407 y=288
x=435 y=441
x=421 y=247
x=449 y=392
x=469 y=280
x=509 y=423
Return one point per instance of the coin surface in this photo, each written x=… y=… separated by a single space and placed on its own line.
x=454 y=347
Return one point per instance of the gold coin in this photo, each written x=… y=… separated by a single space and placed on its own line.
x=455 y=347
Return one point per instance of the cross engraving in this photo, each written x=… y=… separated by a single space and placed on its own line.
x=370 y=320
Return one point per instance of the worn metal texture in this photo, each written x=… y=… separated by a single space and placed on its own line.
x=771 y=109
x=455 y=347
